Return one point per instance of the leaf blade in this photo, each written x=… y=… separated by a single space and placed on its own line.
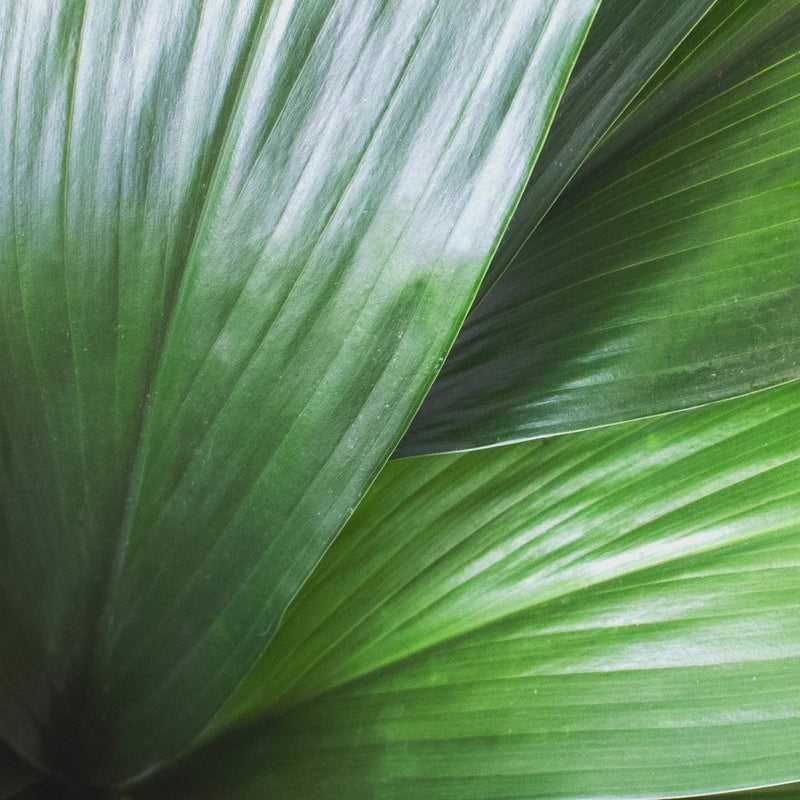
x=665 y=278
x=628 y=41
x=260 y=272
x=508 y=622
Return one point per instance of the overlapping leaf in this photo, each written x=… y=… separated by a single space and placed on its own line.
x=628 y=41
x=612 y=613
x=237 y=239
x=667 y=276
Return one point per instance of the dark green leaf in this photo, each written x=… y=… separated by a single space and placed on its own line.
x=628 y=41
x=237 y=240
x=668 y=276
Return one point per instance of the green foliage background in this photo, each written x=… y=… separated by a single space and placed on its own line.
x=544 y=252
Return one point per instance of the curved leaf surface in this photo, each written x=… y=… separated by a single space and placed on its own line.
x=237 y=240
x=612 y=613
x=713 y=46
x=667 y=277
x=628 y=41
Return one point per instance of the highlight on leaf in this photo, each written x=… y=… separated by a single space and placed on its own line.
x=255 y=254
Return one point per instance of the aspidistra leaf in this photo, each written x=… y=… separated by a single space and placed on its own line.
x=628 y=41
x=612 y=613
x=666 y=276
x=237 y=240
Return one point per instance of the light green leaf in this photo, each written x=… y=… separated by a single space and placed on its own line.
x=237 y=240
x=667 y=276
x=628 y=41
x=606 y=614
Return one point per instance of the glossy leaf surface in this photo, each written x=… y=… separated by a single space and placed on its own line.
x=237 y=239
x=612 y=614
x=667 y=276
x=628 y=41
